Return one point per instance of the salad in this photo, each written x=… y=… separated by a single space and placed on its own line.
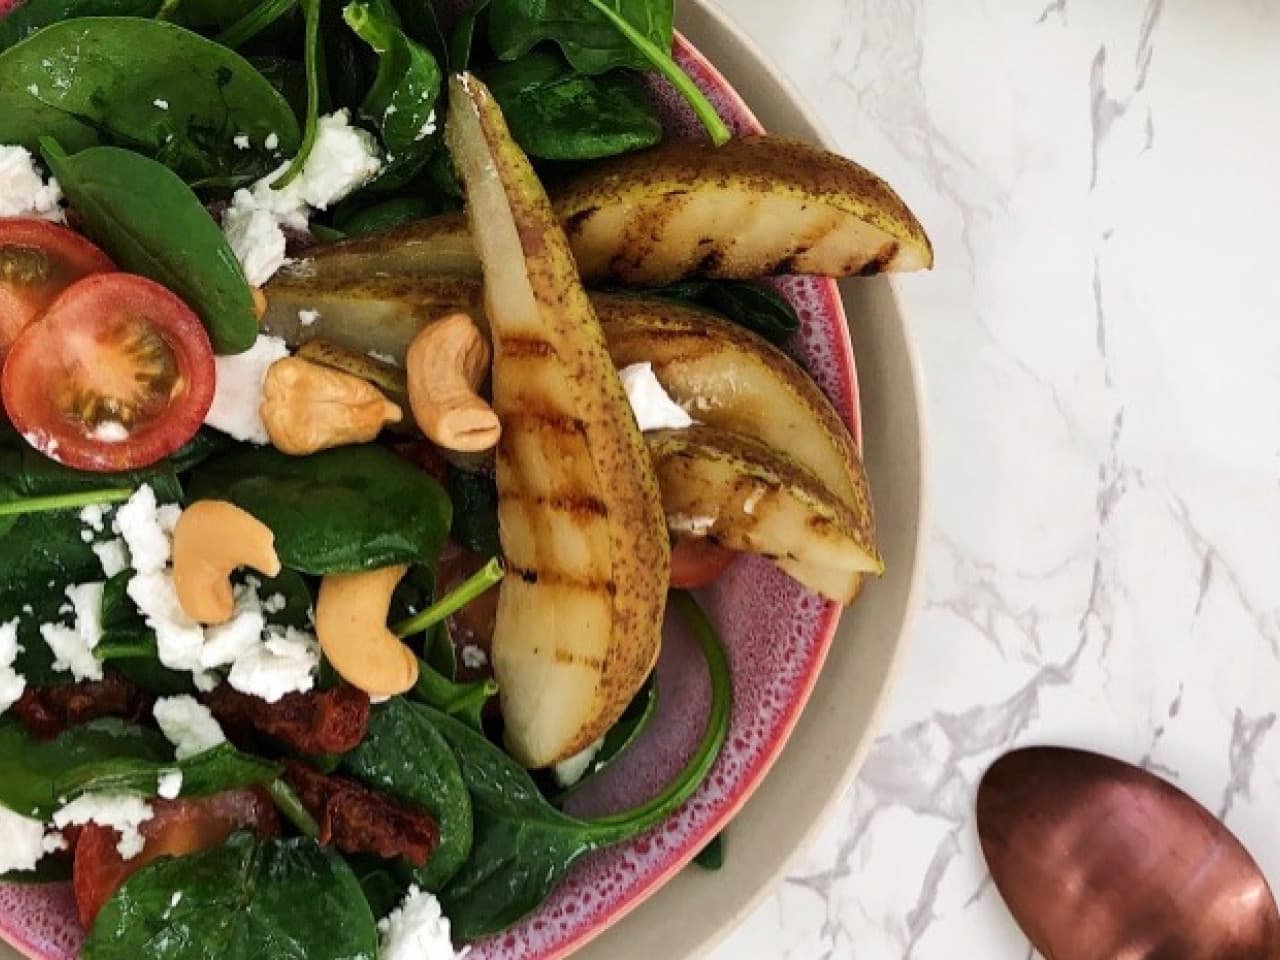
x=376 y=380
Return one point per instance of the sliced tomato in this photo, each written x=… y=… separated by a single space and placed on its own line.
x=118 y=374
x=38 y=260
x=697 y=562
x=178 y=827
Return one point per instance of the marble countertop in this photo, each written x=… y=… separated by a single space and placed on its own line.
x=1102 y=356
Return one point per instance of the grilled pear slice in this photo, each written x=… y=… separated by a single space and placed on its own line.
x=756 y=207
x=580 y=611
x=744 y=495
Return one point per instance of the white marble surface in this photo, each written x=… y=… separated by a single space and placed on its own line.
x=1102 y=350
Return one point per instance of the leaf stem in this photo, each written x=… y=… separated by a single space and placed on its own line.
x=630 y=823
x=311 y=53
x=475 y=585
x=288 y=803
x=254 y=22
x=64 y=501
x=666 y=65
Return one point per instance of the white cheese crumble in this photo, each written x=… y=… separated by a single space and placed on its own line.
x=428 y=127
x=473 y=657
x=343 y=159
x=307 y=317
x=652 y=405
x=12 y=683
x=169 y=785
x=21 y=841
x=23 y=191
x=93 y=516
x=237 y=397
x=188 y=724
x=241 y=141
x=272 y=141
x=73 y=646
x=416 y=930
x=139 y=522
x=110 y=431
x=124 y=813
x=568 y=772
x=160 y=104
x=284 y=663
x=112 y=556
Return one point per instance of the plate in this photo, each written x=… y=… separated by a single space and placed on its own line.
x=778 y=635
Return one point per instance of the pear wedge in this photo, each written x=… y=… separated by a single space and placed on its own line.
x=744 y=495
x=580 y=611
x=756 y=207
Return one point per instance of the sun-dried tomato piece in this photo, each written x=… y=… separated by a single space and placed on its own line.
x=48 y=711
x=356 y=819
x=329 y=721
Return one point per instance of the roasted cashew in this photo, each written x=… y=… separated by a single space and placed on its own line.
x=446 y=363
x=351 y=625
x=212 y=538
x=307 y=407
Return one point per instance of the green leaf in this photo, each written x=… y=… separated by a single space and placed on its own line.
x=556 y=113
x=50 y=869
x=288 y=77
x=633 y=722
x=404 y=756
x=95 y=80
x=205 y=444
x=475 y=511
x=284 y=899
x=31 y=770
x=711 y=857
x=311 y=11
x=33 y=15
x=339 y=511
x=151 y=223
x=464 y=34
x=129 y=645
x=385 y=215
x=401 y=102
x=587 y=37
x=466 y=701
x=214 y=771
x=760 y=309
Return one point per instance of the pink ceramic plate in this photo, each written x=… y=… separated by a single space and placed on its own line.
x=777 y=634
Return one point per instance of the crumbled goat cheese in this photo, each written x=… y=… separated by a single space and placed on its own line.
x=124 y=813
x=272 y=141
x=237 y=397
x=110 y=431
x=228 y=642
x=141 y=525
x=179 y=639
x=307 y=317
x=188 y=724
x=284 y=663
x=21 y=841
x=652 y=405
x=73 y=646
x=169 y=785
x=241 y=141
x=568 y=772
x=93 y=516
x=416 y=930
x=428 y=127
x=474 y=658
x=160 y=104
x=113 y=557
x=343 y=159
x=23 y=191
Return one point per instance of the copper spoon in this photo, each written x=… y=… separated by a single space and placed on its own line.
x=1100 y=860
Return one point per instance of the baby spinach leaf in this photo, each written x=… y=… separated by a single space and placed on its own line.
x=464 y=35
x=381 y=889
x=339 y=511
x=288 y=76
x=213 y=13
x=31 y=770
x=385 y=215
x=633 y=722
x=556 y=113
x=284 y=899
x=404 y=756
x=50 y=869
x=401 y=102
x=151 y=223
x=475 y=511
x=590 y=41
x=206 y=443
x=711 y=857
x=466 y=701
x=221 y=768
x=33 y=15
x=254 y=22
x=422 y=24
x=96 y=80
x=760 y=309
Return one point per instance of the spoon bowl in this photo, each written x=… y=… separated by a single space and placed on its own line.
x=1101 y=860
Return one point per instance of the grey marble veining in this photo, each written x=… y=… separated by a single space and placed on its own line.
x=1102 y=353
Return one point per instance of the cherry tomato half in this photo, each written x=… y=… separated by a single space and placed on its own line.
x=118 y=374
x=38 y=260
x=697 y=562
x=177 y=827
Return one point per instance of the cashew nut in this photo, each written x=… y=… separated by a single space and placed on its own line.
x=307 y=408
x=351 y=625
x=211 y=539
x=446 y=363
